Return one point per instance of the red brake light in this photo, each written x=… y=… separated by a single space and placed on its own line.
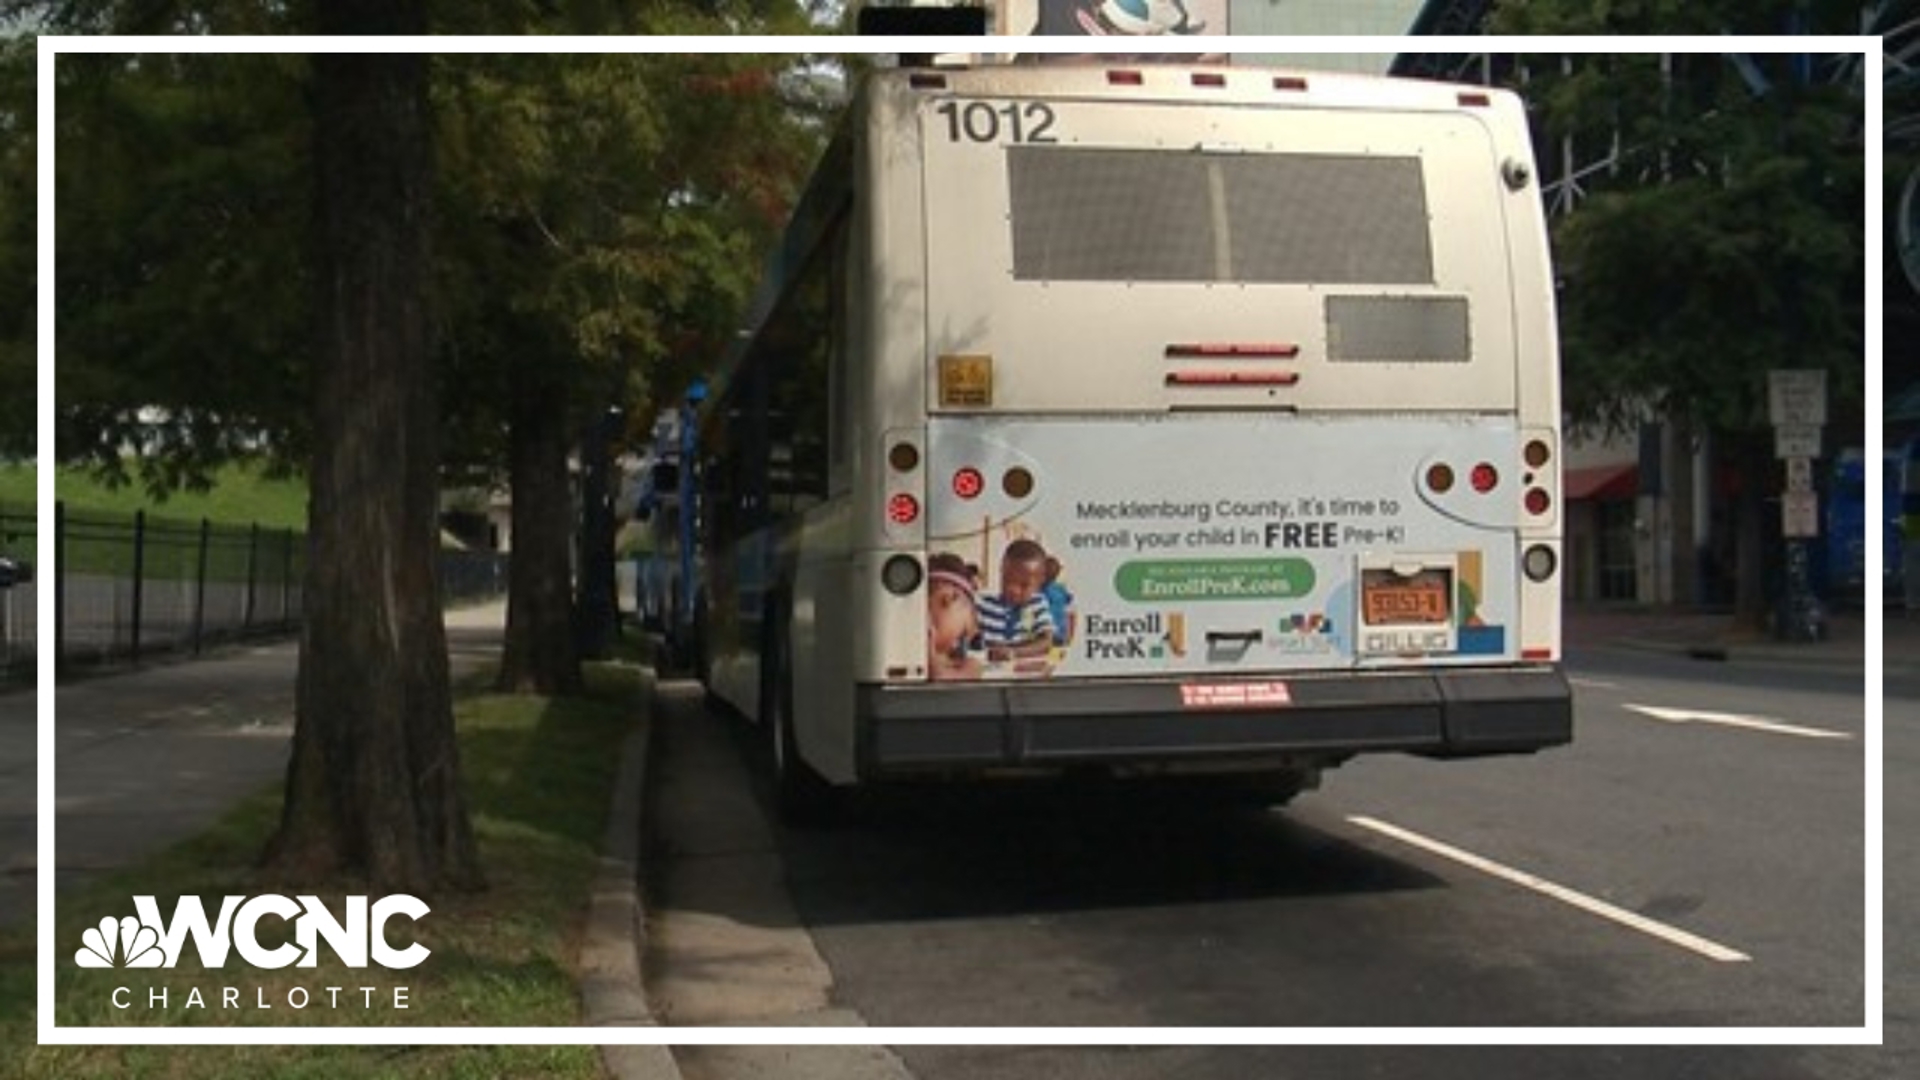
x=903 y=509
x=1538 y=501
x=1484 y=478
x=968 y=483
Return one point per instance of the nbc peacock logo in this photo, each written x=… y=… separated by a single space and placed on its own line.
x=121 y=943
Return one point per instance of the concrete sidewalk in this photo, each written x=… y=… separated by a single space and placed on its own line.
x=147 y=758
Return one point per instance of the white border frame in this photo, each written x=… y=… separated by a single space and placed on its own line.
x=1870 y=1034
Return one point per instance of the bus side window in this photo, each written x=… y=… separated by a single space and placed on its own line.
x=839 y=419
x=798 y=364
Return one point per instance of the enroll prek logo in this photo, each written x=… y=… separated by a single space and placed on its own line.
x=357 y=936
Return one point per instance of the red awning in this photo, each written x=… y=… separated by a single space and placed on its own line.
x=1601 y=482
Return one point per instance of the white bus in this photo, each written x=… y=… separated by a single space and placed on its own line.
x=1163 y=420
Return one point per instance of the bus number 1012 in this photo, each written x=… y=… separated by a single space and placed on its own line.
x=981 y=122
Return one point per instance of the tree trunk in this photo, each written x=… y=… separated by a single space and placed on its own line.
x=373 y=787
x=539 y=655
x=1685 y=551
x=596 y=608
x=1752 y=604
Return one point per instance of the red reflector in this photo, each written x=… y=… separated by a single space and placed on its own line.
x=1289 y=82
x=1538 y=501
x=1536 y=654
x=1272 y=350
x=1484 y=478
x=968 y=483
x=903 y=509
x=1124 y=78
x=1209 y=78
x=1232 y=378
x=1475 y=99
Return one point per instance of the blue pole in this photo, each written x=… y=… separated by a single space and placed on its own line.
x=689 y=506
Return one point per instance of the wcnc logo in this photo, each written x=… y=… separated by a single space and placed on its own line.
x=151 y=942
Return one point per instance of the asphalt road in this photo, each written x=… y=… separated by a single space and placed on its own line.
x=1699 y=874
x=19 y=788
x=148 y=757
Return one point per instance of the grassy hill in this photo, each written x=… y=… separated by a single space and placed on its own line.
x=240 y=495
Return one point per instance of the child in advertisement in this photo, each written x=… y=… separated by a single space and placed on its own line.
x=1017 y=625
x=953 y=619
x=1059 y=604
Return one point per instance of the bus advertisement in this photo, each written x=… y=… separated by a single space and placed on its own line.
x=1164 y=420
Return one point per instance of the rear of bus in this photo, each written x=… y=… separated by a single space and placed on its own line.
x=1231 y=439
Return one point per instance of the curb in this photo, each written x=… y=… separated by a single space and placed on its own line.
x=611 y=991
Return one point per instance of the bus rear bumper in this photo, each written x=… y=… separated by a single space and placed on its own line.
x=1460 y=712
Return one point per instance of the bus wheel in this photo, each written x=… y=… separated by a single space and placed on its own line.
x=801 y=796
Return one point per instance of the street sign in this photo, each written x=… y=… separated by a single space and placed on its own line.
x=1799 y=515
x=1799 y=474
x=1796 y=441
x=1797 y=396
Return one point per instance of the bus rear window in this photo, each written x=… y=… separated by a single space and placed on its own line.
x=1180 y=216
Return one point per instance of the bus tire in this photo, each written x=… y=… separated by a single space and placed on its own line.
x=801 y=796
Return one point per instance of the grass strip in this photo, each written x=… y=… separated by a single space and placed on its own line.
x=538 y=774
x=241 y=493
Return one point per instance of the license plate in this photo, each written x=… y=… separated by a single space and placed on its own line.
x=1391 y=599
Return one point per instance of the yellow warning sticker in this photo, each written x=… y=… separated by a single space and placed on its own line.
x=966 y=382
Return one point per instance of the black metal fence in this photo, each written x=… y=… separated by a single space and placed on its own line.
x=16 y=603
x=129 y=587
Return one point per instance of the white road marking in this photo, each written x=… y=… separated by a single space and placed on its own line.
x=1735 y=720
x=1594 y=684
x=1670 y=934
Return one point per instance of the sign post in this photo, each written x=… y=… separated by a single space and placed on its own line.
x=1797 y=408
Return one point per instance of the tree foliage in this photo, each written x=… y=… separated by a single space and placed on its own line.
x=593 y=223
x=1654 y=18
x=184 y=263
x=590 y=218
x=1725 y=243
x=18 y=247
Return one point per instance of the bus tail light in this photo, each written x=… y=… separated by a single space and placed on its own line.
x=901 y=575
x=1125 y=77
x=1017 y=483
x=1539 y=562
x=904 y=485
x=1540 y=476
x=1484 y=478
x=1439 y=478
x=968 y=483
